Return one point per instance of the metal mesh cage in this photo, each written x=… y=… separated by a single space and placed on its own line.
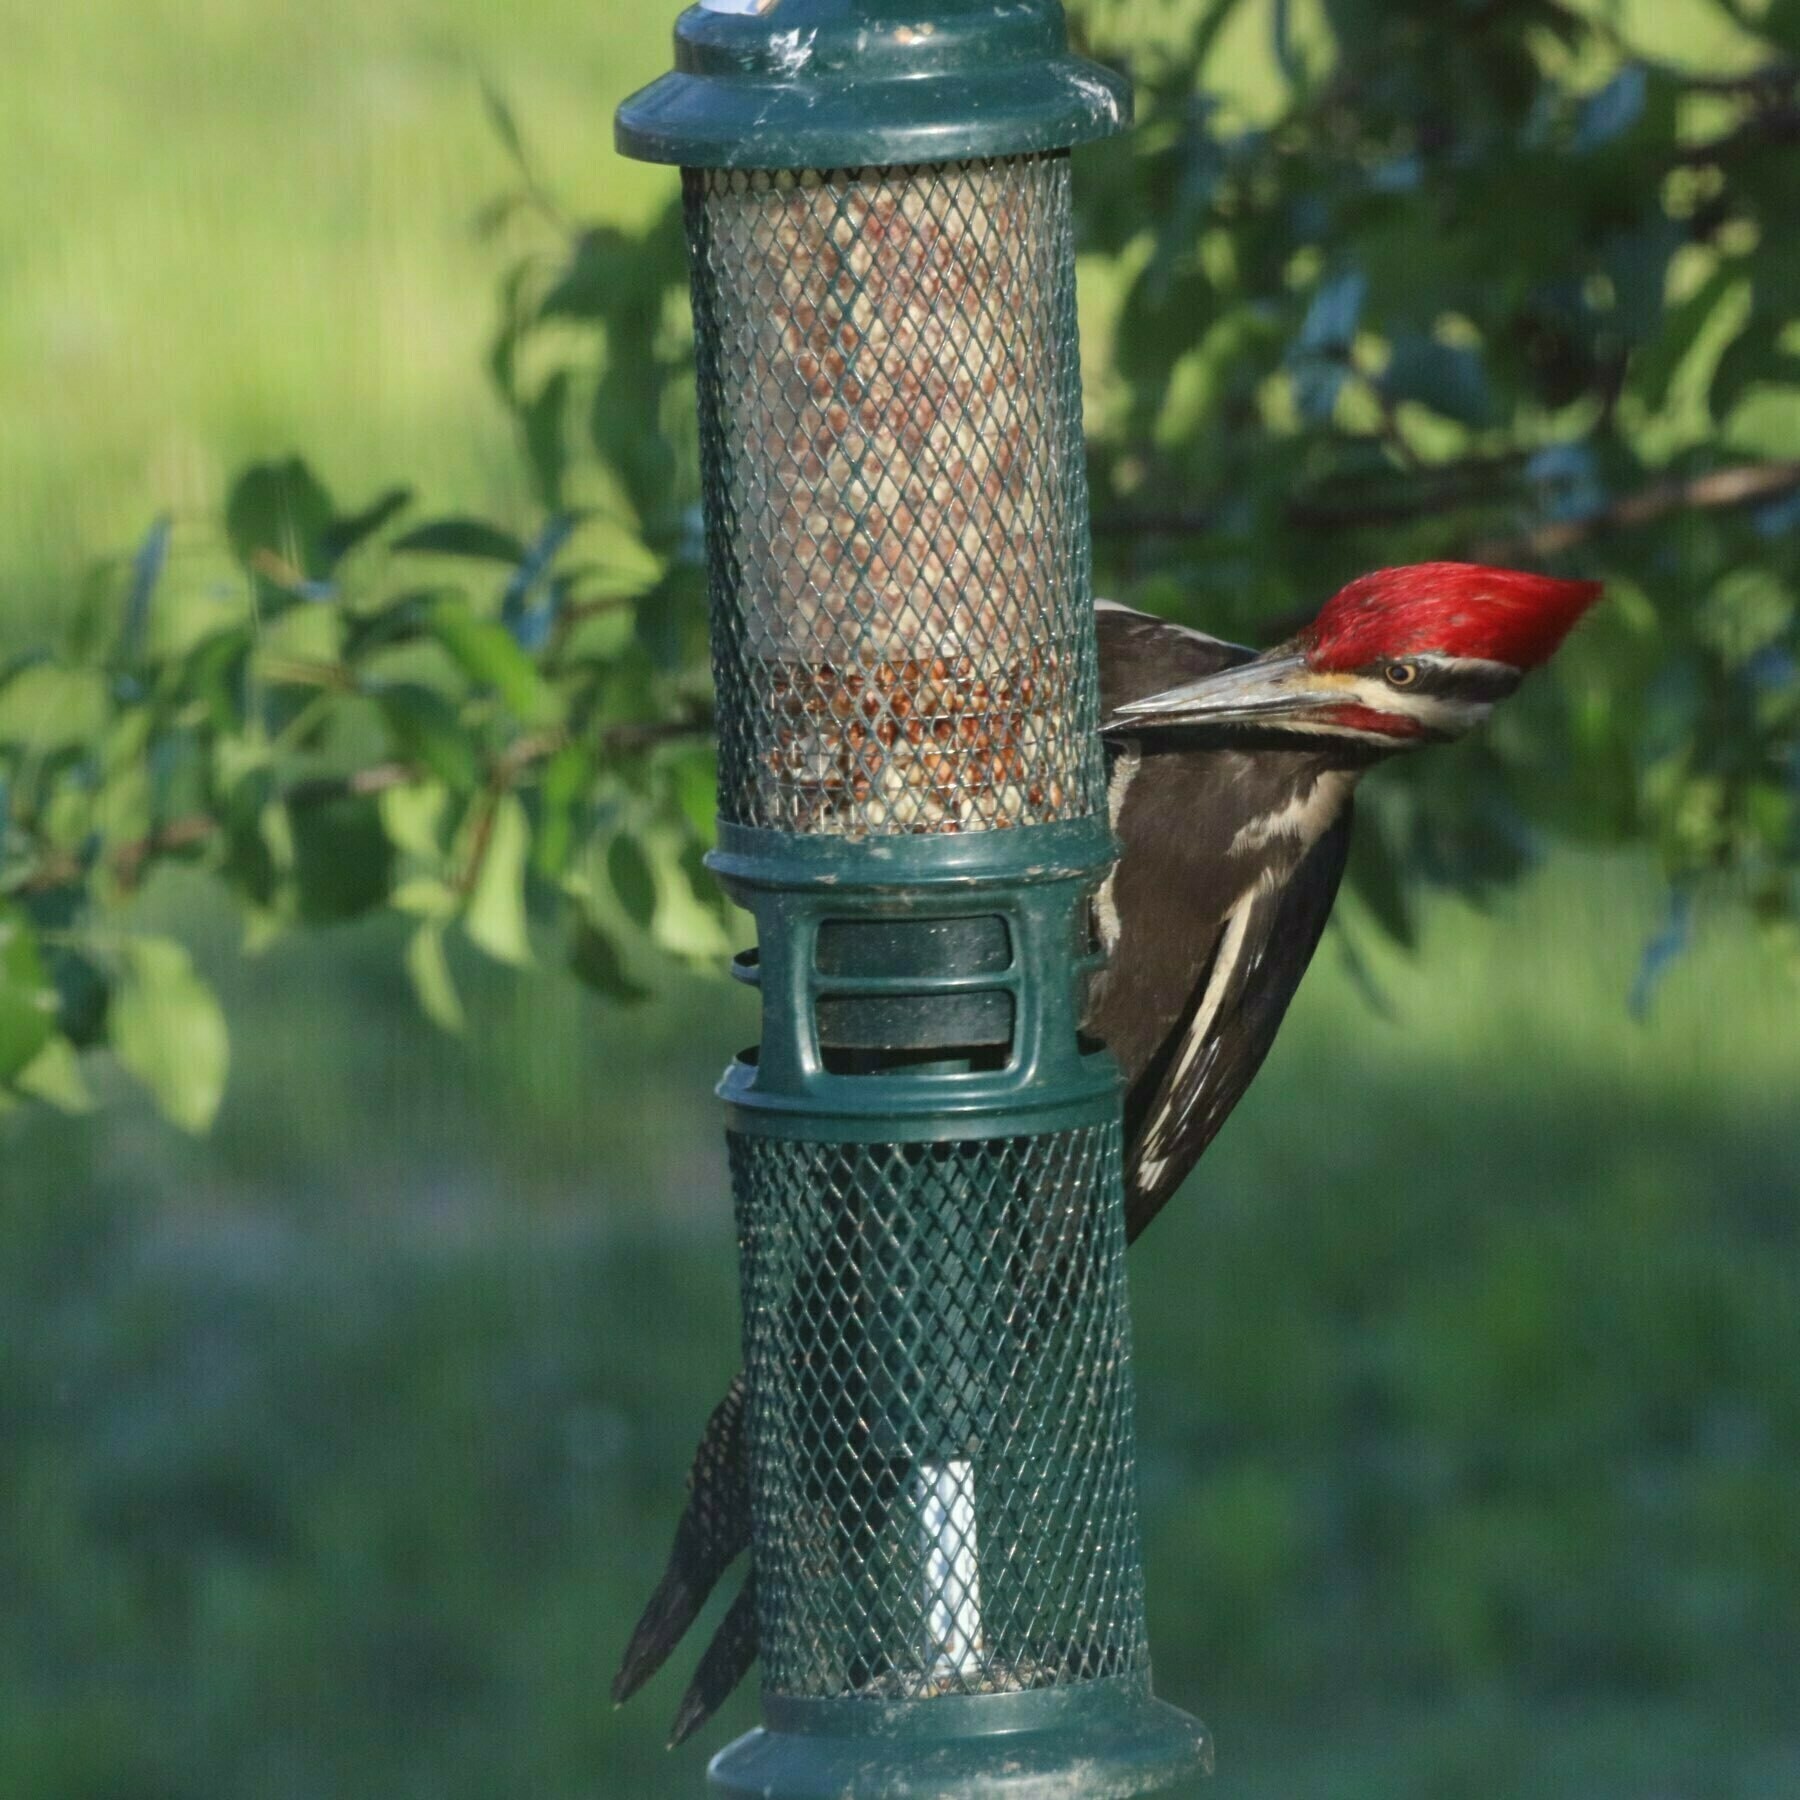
x=890 y=401
x=940 y=1423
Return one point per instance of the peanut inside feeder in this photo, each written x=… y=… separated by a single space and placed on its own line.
x=902 y=559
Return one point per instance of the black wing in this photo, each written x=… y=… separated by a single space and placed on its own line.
x=1175 y=1107
x=1140 y=655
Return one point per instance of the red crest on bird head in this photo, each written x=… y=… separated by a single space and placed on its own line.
x=1449 y=609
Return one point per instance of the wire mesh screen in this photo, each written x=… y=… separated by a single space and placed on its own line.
x=938 y=1347
x=890 y=403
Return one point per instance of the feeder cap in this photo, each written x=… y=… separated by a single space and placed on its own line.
x=833 y=84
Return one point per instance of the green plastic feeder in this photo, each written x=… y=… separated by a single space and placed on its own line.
x=924 y=1146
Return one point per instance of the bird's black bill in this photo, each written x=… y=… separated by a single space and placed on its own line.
x=1271 y=688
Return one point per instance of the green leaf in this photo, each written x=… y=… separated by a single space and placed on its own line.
x=147 y=565
x=494 y=215
x=217 y=674
x=1655 y=363
x=1448 y=378
x=1331 y=320
x=594 y=960
x=343 y=535
x=463 y=537
x=1614 y=109
x=504 y=122
x=686 y=925
x=46 y=707
x=258 y=843
x=495 y=919
x=400 y=618
x=1156 y=323
x=1756 y=357
x=632 y=878
x=487 y=654
x=1281 y=42
x=503 y=354
x=608 y=272
x=343 y=858
x=54 y=1076
x=702 y=884
x=426 y=897
x=695 y=778
x=83 y=995
x=28 y=1003
x=562 y=792
x=413 y=816
x=1637 y=264
x=623 y=427
x=167 y=1030
x=671 y=619
x=429 y=968
x=541 y=420
x=1747 y=611
x=277 y=518
x=429 y=732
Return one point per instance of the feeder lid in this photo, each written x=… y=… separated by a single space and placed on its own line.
x=831 y=84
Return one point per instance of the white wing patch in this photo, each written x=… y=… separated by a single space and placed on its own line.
x=1153 y=1152
x=1306 y=816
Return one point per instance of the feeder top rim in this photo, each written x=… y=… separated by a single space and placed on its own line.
x=833 y=84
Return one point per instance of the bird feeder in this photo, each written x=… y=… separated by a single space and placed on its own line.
x=925 y=1149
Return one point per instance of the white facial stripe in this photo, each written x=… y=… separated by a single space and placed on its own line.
x=1436 y=712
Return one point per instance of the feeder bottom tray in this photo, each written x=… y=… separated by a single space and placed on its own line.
x=1097 y=1740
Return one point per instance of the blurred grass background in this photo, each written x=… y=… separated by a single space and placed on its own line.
x=340 y=1448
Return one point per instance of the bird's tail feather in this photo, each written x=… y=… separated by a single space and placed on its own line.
x=713 y=1531
x=726 y=1662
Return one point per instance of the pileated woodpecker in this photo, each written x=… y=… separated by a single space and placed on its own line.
x=1231 y=779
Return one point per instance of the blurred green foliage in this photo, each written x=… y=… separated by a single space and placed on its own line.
x=1486 y=280
x=340 y=1447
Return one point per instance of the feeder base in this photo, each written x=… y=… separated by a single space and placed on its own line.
x=1101 y=1740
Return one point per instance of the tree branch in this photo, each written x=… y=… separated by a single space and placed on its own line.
x=130 y=859
x=1776 y=126
x=1337 y=505
x=1741 y=485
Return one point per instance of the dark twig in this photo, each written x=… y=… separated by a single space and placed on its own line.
x=1777 y=126
x=130 y=859
x=1741 y=485
x=1343 y=505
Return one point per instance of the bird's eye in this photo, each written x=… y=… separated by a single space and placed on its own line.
x=1402 y=674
